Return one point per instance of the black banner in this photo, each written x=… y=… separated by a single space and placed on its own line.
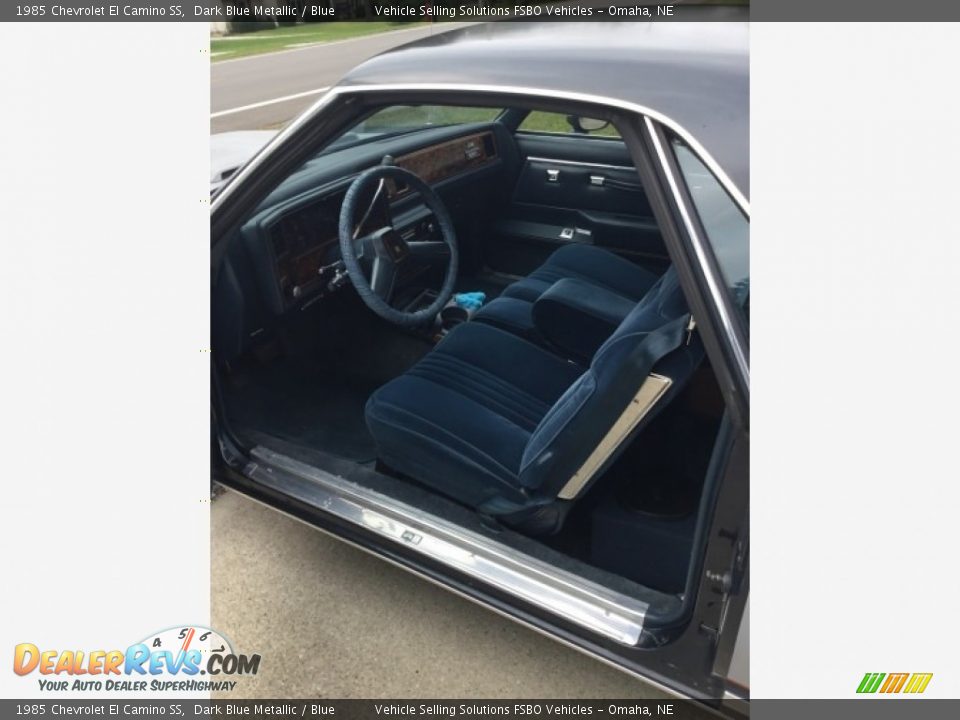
x=360 y=709
x=273 y=12
x=281 y=12
x=852 y=709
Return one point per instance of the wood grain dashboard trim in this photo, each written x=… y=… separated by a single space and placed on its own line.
x=445 y=160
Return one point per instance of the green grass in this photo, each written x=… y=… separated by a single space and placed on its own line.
x=288 y=36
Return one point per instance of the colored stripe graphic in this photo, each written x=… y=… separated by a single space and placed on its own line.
x=870 y=682
x=918 y=682
x=894 y=682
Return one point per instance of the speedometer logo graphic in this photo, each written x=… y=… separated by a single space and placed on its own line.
x=180 y=640
x=199 y=650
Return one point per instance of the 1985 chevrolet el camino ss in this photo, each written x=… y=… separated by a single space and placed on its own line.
x=483 y=310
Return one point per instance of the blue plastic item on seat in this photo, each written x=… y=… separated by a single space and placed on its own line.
x=470 y=300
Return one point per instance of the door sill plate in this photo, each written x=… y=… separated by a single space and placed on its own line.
x=564 y=594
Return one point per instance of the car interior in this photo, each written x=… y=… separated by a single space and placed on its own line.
x=472 y=310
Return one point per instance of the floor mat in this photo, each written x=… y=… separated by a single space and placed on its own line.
x=333 y=360
x=304 y=405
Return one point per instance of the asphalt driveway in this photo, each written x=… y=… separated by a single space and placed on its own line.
x=333 y=621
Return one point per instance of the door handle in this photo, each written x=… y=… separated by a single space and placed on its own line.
x=581 y=234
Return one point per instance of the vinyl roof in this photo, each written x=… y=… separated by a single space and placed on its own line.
x=695 y=73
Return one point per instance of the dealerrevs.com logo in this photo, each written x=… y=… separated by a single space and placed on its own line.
x=892 y=683
x=181 y=659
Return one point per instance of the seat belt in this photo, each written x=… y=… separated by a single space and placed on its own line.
x=658 y=345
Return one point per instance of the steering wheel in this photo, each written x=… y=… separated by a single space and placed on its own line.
x=384 y=251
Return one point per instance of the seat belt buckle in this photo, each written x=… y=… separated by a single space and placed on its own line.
x=691 y=326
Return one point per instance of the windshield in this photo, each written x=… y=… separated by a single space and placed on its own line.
x=402 y=119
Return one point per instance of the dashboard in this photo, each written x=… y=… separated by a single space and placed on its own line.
x=307 y=240
x=303 y=237
x=440 y=162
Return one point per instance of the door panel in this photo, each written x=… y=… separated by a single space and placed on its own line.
x=574 y=189
x=585 y=186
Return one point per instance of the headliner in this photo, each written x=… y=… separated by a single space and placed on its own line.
x=696 y=73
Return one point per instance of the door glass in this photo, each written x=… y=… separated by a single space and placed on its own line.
x=728 y=230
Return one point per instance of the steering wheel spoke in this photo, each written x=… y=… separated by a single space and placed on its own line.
x=383 y=277
x=364 y=248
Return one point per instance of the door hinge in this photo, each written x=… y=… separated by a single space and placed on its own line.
x=723 y=581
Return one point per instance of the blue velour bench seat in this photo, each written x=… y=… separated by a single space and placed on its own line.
x=501 y=424
x=609 y=273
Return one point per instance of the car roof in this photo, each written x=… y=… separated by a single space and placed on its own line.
x=695 y=74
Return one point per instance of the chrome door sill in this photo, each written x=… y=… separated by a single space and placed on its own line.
x=568 y=596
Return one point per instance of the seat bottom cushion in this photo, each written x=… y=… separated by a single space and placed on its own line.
x=509 y=313
x=459 y=420
x=621 y=279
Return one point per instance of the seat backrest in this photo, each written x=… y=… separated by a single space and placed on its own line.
x=582 y=417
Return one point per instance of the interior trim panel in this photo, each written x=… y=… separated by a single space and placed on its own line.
x=556 y=161
x=441 y=162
